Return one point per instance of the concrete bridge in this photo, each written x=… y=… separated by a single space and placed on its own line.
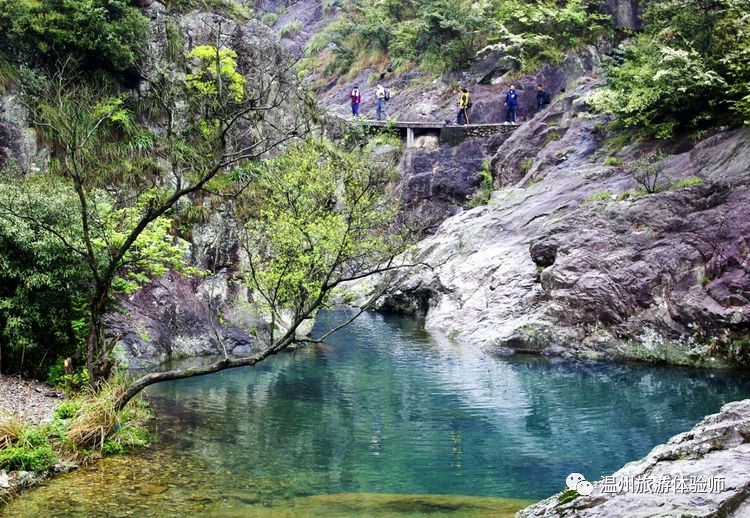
x=451 y=134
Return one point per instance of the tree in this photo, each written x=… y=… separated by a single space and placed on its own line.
x=127 y=177
x=42 y=297
x=687 y=71
x=315 y=218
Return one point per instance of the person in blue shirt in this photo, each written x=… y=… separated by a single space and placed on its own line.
x=511 y=101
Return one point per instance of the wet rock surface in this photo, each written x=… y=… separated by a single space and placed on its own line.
x=709 y=464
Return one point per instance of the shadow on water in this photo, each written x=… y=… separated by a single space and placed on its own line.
x=384 y=421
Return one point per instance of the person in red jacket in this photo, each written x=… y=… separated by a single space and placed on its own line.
x=355 y=96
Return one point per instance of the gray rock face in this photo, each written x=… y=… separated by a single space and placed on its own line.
x=626 y=14
x=17 y=139
x=437 y=182
x=703 y=472
x=176 y=317
x=663 y=276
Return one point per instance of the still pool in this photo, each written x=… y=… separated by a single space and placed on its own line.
x=385 y=421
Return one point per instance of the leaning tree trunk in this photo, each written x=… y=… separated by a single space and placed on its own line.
x=223 y=364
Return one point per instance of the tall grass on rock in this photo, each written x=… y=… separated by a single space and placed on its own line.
x=98 y=425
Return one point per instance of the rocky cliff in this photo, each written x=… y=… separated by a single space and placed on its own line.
x=570 y=258
x=701 y=472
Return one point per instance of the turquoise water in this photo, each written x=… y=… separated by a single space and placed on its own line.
x=385 y=409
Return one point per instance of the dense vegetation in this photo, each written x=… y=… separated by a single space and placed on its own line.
x=99 y=34
x=443 y=35
x=689 y=70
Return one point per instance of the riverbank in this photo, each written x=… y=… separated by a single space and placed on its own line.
x=44 y=434
x=30 y=400
x=23 y=402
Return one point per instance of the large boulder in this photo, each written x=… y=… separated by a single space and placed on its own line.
x=703 y=472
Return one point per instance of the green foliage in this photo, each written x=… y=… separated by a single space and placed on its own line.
x=688 y=70
x=647 y=172
x=486 y=186
x=83 y=426
x=154 y=252
x=525 y=165
x=567 y=495
x=233 y=9
x=599 y=196
x=269 y=19
x=97 y=422
x=67 y=409
x=70 y=383
x=315 y=216
x=217 y=70
x=384 y=138
x=552 y=136
x=291 y=29
x=613 y=161
x=686 y=182
x=40 y=280
x=39 y=458
x=107 y=34
x=443 y=35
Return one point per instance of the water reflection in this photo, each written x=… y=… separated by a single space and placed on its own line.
x=384 y=409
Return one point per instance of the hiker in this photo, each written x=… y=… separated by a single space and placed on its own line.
x=355 y=97
x=381 y=96
x=464 y=103
x=511 y=101
x=542 y=98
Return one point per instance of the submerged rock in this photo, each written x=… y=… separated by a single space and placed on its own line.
x=702 y=472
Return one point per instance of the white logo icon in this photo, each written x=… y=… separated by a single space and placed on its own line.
x=577 y=482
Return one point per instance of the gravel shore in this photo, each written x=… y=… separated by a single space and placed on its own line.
x=30 y=400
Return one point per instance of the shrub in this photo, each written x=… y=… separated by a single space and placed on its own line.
x=600 y=196
x=443 y=35
x=106 y=34
x=291 y=29
x=96 y=421
x=269 y=19
x=40 y=458
x=686 y=182
x=613 y=161
x=41 y=283
x=67 y=409
x=647 y=172
x=525 y=165
x=688 y=70
x=486 y=186
x=550 y=137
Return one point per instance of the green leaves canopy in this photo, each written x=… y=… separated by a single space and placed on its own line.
x=316 y=216
x=688 y=70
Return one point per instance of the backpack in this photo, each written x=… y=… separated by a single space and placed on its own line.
x=387 y=95
x=546 y=98
x=469 y=104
